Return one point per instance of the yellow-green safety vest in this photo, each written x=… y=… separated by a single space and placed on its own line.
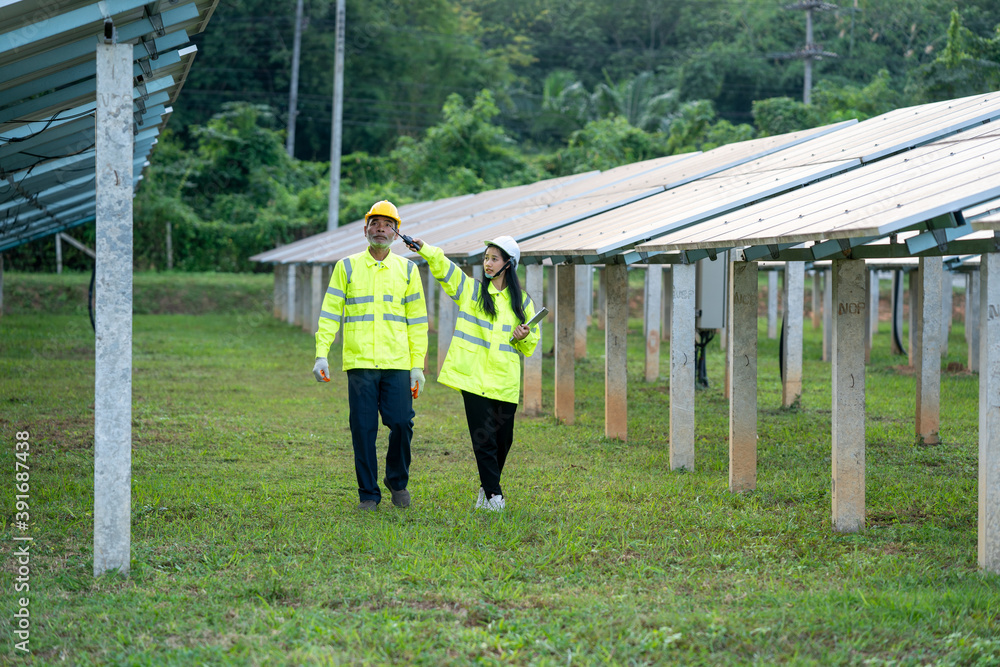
x=481 y=359
x=380 y=305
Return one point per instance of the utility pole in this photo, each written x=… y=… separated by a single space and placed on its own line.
x=811 y=51
x=293 y=92
x=338 y=110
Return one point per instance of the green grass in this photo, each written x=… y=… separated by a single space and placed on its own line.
x=247 y=548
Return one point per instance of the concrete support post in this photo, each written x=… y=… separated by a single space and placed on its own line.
x=303 y=292
x=615 y=358
x=682 y=371
x=913 y=279
x=989 y=413
x=533 y=364
x=584 y=294
x=327 y=277
x=968 y=306
x=590 y=299
x=947 y=292
x=742 y=358
x=772 y=304
x=873 y=306
x=827 y=315
x=972 y=304
x=1 y=284
x=58 y=253
x=927 y=346
x=280 y=291
x=868 y=322
x=666 y=302
x=290 y=293
x=848 y=409
x=427 y=283
x=602 y=297
x=447 y=315
x=816 y=305
x=318 y=291
x=651 y=320
x=550 y=294
x=566 y=330
x=795 y=285
x=113 y=149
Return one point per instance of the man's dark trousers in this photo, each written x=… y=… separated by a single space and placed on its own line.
x=372 y=392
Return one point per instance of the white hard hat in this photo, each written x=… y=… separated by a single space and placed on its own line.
x=508 y=245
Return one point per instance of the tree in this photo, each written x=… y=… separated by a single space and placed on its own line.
x=967 y=65
x=836 y=103
x=780 y=115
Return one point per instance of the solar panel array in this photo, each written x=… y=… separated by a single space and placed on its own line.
x=460 y=224
x=48 y=100
x=804 y=172
x=930 y=168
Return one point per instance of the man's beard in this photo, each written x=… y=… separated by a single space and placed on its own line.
x=379 y=245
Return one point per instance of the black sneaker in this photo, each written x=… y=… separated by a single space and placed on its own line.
x=399 y=498
x=368 y=505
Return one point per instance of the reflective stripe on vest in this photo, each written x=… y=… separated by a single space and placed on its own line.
x=475 y=320
x=471 y=339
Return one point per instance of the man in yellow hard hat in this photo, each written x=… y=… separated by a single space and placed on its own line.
x=378 y=299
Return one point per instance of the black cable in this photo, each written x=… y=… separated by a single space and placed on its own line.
x=90 y=296
x=701 y=366
x=897 y=304
x=52 y=119
x=781 y=349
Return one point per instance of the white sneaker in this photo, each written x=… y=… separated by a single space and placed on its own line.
x=481 y=501
x=494 y=504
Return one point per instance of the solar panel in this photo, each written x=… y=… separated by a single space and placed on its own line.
x=744 y=185
x=901 y=192
x=48 y=101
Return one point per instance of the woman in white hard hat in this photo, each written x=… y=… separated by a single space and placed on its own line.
x=484 y=356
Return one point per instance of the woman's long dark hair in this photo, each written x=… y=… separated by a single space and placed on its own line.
x=513 y=286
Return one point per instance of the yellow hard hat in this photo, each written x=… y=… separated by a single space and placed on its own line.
x=385 y=208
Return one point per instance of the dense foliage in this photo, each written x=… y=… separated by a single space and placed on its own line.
x=446 y=97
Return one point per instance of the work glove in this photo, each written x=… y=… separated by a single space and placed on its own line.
x=321 y=369
x=416 y=381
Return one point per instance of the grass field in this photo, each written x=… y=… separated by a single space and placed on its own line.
x=247 y=548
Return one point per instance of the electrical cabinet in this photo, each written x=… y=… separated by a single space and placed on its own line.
x=711 y=278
